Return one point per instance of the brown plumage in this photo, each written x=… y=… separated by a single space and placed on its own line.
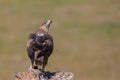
x=40 y=45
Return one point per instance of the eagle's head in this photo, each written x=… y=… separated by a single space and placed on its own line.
x=45 y=25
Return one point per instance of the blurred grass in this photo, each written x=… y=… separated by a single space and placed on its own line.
x=86 y=35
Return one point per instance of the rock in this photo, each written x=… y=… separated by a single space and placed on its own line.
x=35 y=74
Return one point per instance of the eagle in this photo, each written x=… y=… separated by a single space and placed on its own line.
x=40 y=46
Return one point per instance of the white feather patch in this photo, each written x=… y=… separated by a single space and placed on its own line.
x=40 y=34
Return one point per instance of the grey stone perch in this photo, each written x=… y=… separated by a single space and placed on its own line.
x=35 y=74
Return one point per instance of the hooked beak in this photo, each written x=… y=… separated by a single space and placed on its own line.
x=47 y=23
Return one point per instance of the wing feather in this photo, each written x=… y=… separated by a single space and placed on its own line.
x=30 y=44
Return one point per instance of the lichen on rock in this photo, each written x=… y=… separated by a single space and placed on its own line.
x=35 y=74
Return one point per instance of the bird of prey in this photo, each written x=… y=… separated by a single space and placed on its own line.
x=40 y=46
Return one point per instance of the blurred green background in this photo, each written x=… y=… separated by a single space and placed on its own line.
x=86 y=36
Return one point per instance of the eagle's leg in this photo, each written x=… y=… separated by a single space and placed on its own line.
x=35 y=58
x=44 y=62
x=32 y=64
